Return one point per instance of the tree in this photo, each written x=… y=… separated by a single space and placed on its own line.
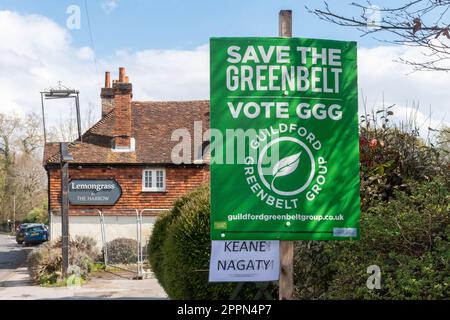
x=29 y=183
x=9 y=125
x=31 y=137
x=417 y=23
x=22 y=177
x=38 y=214
x=65 y=128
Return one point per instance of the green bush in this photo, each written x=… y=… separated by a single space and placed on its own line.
x=44 y=262
x=122 y=250
x=407 y=237
x=312 y=272
x=185 y=253
x=392 y=155
x=159 y=235
x=38 y=214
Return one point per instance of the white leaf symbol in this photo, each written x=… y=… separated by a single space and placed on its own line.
x=286 y=166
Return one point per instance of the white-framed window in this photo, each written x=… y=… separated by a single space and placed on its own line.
x=154 y=179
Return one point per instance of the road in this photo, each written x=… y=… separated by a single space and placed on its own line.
x=16 y=283
x=12 y=256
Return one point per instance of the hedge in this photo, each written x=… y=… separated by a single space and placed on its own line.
x=407 y=237
x=159 y=235
x=180 y=251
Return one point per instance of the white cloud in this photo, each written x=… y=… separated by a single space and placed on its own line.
x=109 y=6
x=38 y=53
x=85 y=53
x=381 y=77
x=166 y=74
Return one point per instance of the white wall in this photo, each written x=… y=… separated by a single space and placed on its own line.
x=115 y=227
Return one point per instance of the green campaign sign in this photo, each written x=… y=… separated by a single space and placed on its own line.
x=284 y=139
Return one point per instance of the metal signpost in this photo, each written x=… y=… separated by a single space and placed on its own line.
x=61 y=92
x=288 y=166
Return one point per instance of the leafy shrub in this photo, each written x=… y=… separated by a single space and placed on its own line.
x=407 y=237
x=159 y=235
x=185 y=253
x=45 y=261
x=122 y=250
x=404 y=222
x=391 y=155
x=38 y=214
x=312 y=272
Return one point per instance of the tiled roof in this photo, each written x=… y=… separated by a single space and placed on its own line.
x=152 y=126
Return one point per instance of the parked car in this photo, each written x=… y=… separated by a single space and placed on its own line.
x=36 y=233
x=20 y=232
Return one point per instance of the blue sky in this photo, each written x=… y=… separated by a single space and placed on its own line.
x=183 y=24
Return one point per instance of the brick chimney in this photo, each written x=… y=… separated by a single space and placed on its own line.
x=107 y=96
x=122 y=91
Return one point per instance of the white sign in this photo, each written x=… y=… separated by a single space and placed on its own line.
x=244 y=261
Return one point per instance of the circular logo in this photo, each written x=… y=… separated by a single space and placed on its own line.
x=293 y=169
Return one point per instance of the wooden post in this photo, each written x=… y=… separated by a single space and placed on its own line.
x=286 y=284
x=64 y=208
x=64 y=214
x=285 y=24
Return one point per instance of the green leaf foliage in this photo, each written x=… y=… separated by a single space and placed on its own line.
x=407 y=237
x=181 y=260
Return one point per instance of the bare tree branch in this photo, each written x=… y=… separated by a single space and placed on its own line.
x=419 y=23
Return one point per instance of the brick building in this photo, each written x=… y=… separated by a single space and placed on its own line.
x=131 y=144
